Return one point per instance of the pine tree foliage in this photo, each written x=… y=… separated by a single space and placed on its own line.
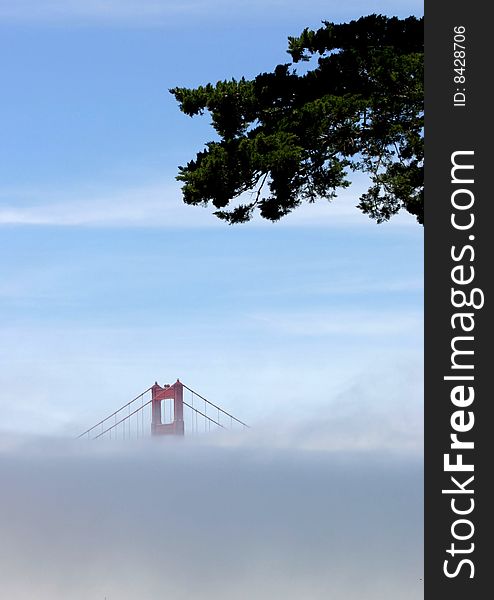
x=286 y=138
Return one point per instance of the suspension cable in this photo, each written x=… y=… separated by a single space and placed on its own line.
x=122 y=420
x=195 y=412
x=203 y=415
x=215 y=406
x=115 y=413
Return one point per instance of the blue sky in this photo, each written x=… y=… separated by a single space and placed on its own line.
x=108 y=282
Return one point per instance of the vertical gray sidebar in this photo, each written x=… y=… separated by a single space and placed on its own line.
x=459 y=250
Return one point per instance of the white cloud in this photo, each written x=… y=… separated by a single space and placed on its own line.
x=156 y=205
x=341 y=284
x=160 y=205
x=357 y=322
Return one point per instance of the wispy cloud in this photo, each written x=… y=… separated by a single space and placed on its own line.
x=342 y=285
x=349 y=322
x=159 y=205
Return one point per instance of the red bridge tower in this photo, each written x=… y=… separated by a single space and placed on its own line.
x=173 y=392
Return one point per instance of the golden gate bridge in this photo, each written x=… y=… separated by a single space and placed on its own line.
x=163 y=410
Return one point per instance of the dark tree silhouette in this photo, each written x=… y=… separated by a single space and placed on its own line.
x=287 y=137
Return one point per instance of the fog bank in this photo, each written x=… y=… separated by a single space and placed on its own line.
x=188 y=520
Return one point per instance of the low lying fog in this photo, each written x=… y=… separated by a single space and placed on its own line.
x=194 y=520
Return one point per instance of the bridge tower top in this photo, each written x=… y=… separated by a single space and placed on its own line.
x=167 y=407
x=175 y=393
